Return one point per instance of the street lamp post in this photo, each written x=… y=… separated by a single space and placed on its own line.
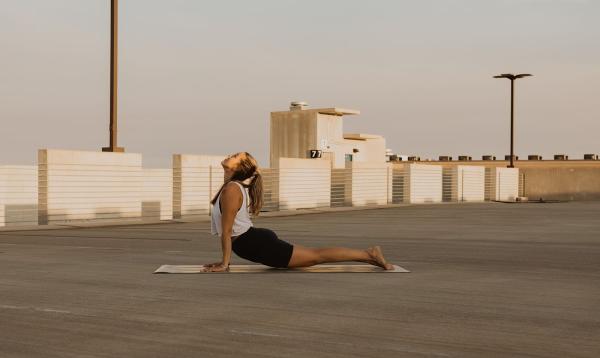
x=114 y=47
x=512 y=79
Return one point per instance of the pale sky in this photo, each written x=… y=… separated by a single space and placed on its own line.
x=201 y=77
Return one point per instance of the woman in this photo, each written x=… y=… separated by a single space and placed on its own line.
x=231 y=220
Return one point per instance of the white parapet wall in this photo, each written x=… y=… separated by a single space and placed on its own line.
x=304 y=183
x=196 y=179
x=89 y=186
x=464 y=183
x=368 y=183
x=157 y=197
x=422 y=183
x=502 y=184
x=18 y=195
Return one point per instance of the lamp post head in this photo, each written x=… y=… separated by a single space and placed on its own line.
x=512 y=77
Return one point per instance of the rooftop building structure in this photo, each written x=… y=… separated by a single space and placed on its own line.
x=318 y=133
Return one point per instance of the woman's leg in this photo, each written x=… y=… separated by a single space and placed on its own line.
x=309 y=256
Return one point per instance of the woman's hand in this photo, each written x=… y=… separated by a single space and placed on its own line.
x=215 y=267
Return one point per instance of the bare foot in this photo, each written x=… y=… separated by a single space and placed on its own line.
x=377 y=258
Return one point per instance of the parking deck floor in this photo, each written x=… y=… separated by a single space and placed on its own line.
x=487 y=280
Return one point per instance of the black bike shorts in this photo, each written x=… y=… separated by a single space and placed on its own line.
x=263 y=246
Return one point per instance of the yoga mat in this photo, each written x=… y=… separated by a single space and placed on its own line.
x=267 y=269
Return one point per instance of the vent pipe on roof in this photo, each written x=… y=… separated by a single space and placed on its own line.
x=561 y=157
x=298 y=105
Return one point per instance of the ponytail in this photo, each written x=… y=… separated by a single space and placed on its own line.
x=256 y=193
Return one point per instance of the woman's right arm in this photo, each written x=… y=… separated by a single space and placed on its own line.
x=230 y=201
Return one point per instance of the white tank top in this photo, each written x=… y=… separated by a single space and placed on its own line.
x=242 y=221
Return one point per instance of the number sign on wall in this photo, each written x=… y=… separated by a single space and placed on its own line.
x=315 y=153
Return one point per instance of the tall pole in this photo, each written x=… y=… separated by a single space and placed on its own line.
x=512 y=79
x=512 y=123
x=114 y=83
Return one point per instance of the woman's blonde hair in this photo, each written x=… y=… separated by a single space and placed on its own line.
x=247 y=168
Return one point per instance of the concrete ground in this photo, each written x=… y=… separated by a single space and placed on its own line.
x=488 y=280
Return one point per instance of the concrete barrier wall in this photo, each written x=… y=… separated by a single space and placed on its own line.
x=304 y=183
x=368 y=184
x=464 y=183
x=423 y=183
x=502 y=184
x=18 y=195
x=157 y=196
x=80 y=185
x=70 y=186
x=196 y=179
x=577 y=182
